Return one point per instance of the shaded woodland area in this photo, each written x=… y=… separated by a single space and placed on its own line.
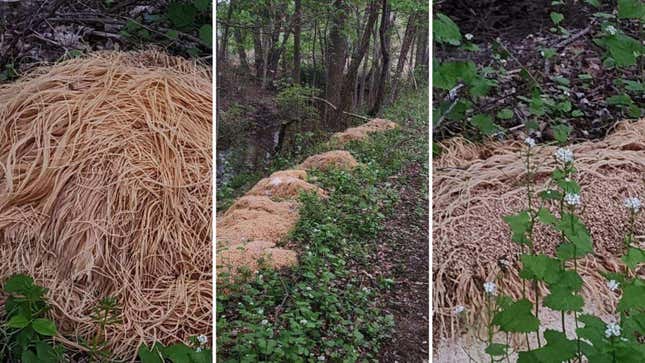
x=287 y=68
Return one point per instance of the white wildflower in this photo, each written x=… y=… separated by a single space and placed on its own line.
x=264 y=322
x=458 y=309
x=490 y=288
x=308 y=288
x=564 y=155
x=633 y=203
x=202 y=339
x=321 y=358
x=613 y=329
x=469 y=36
x=572 y=199
x=611 y=30
x=613 y=285
x=530 y=142
x=199 y=349
x=303 y=321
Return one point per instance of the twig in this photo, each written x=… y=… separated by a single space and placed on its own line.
x=336 y=108
x=572 y=38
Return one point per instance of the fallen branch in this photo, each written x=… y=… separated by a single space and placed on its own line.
x=571 y=39
x=336 y=108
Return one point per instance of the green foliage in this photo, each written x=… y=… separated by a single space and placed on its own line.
x=631 y=9
x=179 y=22
x=517 y=318
x=445 y=30
x=29 y=332
x=175 y=353
x=322 y=309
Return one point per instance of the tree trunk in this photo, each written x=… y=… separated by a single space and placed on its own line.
x=422 y=55
x=348 y=87
x=378 y=100
x=336 y=53
x=296 y=43
x=241 y=52
x=313 y=55
x=258 y=52
x=221 y=56
x=405 y=48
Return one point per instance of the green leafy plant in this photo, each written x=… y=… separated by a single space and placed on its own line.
x=29 y=332
x=105 y=314
x=196 y=352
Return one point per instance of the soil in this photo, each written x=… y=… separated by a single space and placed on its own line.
x=524 y=30
x=404 y=258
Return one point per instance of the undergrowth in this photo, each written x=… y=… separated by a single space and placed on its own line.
x=324 y=308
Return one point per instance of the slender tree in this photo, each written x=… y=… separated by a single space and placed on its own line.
x=385 y=56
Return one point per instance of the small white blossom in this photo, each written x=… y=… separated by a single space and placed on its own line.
x=490 y=288
x=633 y=203
x=572 y=199
x=469 y=36
x=308 y=288
x=303 y=321
x=613 y=329
x=264 y=322
x=202 y=339
x=458 y=309
x=321 y=358
x=613 y=285
x=199 y=349
x=530 y=142
x=611 y=30
x=564 y=155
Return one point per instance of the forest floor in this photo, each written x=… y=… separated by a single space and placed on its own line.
x=406 y=251
x=376 y=305
x=511 y=37
x=34 y=33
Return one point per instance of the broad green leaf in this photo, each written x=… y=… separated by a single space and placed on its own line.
x=633 y=297
x=496 y=349
x=634 y=86
x=44 y=327
x=485 y=124
x=568 y=280
x=633 y=257
x=18 y=284
x=557 y=349
x=561 y=132
x=206 y=35
x=550 y=194
x=177 y=353
x=631 y=9
x=505 y=114
x=520 y=224
x=576 y=233
x=634 y=111
x=517 y=318
x=480 y=86
x=181 y=15
x=446 y=75
x=149 y=355
x=18 y=322
x=623 y=100
x=556 y=17
x=540 y=268
x=545 y=216
x=46 y=353
x=561 y=299
x=623 y=49
x=445 y=30
x=29 y=356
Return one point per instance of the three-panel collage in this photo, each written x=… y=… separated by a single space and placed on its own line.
x=395 y=181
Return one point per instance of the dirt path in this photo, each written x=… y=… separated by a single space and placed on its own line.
x=405 y=255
